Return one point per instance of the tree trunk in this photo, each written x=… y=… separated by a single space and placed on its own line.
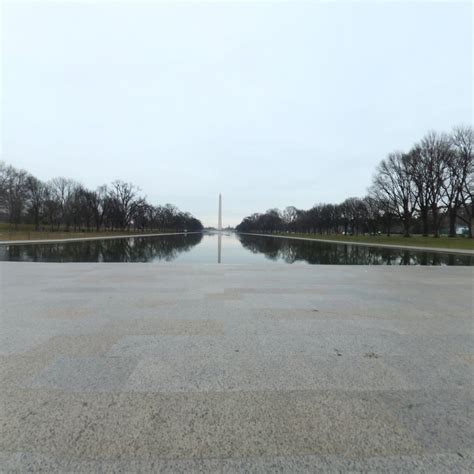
x=389 y=225
x=436 y=222
x=424 y=220
x=452 y=222
x=406 y=226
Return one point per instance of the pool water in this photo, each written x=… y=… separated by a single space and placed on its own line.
x=226 y=248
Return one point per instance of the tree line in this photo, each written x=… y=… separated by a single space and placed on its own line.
x=65 y=204
x=416 y=191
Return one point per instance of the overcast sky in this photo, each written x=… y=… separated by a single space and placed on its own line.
x=272 y=104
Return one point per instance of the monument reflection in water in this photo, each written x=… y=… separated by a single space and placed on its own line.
x=230 y=249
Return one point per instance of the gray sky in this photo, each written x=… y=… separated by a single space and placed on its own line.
x=272 y=104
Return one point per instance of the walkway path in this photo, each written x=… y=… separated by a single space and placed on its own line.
x=232 y=368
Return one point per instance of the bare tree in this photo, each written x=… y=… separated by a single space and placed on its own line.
x=419 y=173
x=373 y=214
x=123 y=196
x=459 y=172
x=394 y=183
x=13 y=193
x=434 y=179
x=3 y=188
x=461 y=184
x=37 y=194
x=434 y=153
x=289 y=214
x=385 y=208
x=95 y=202
x=62 y=192
x=353 y=213
x=64 y=203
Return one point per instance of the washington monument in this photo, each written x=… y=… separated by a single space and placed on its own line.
x=219 y=220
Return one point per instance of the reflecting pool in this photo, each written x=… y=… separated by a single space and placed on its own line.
x=223 y=248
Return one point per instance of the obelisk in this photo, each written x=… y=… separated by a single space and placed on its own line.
x=219 y=221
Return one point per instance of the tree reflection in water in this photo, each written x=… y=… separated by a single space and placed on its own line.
x=313 y=252
x=136 y=249
x=185 y=248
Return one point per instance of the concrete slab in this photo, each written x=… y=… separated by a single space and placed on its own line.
x=215 y=368
x=166 y=326
x=85 y=374
x=201 y=425
x=429 y=464
x=439 y=419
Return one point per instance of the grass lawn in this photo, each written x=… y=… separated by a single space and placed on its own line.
x=462 y=243
x=27 y=232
